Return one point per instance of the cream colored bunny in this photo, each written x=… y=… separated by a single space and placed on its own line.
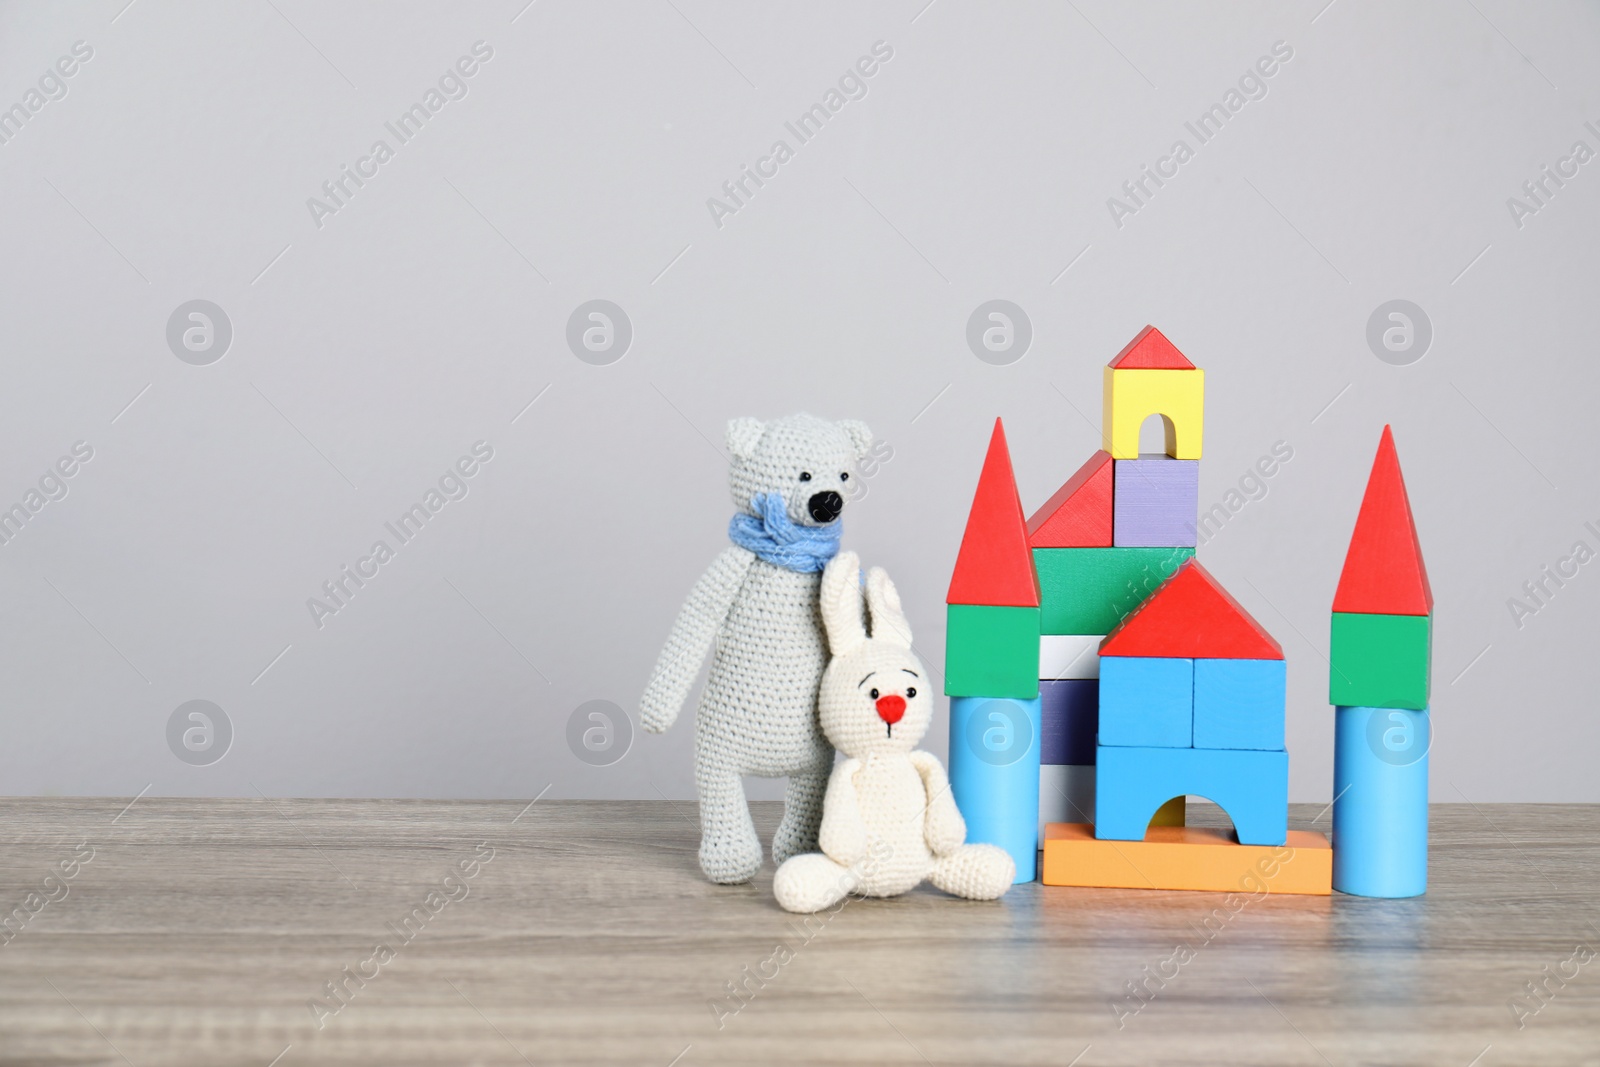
x=888 y=819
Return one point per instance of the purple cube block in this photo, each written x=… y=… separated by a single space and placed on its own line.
x=1069 y=710
x=1154 y=502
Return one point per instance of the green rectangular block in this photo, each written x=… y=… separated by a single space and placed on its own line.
x=1380 y=661
x=991 y=651
x=1090 y=590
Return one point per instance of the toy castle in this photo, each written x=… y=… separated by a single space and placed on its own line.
x=1099 y=674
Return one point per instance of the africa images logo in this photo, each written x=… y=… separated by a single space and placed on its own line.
x=1000 y=733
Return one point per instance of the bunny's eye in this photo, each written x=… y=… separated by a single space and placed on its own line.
x=874 y=694
x=805 y=476
x=911 y=692
x=844 y=477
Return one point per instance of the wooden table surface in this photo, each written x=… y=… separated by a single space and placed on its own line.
x=204 y=931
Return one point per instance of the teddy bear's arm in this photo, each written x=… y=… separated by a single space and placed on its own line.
x=696 y=627
x=943 y=827
x=843 y=837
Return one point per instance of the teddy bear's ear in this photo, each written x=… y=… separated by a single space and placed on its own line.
x=860 y=436
x=743 y=436
x=841 y=604
x=888 y=618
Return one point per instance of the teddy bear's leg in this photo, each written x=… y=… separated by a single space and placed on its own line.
x=730 y=852
x=812 y=882
x=977 y=872
x=802 y=811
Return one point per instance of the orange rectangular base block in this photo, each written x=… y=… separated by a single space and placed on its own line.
x=1189 y=858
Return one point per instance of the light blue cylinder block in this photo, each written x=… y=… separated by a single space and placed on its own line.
x=1380 y=807
x=994 y=774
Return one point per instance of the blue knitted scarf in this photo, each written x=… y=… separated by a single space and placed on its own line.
x=779 y=540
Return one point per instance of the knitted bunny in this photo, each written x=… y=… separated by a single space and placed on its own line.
x=755 y=609
x=888 y=819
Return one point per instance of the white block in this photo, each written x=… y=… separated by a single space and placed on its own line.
x=1070 y=655
x=1066 y=794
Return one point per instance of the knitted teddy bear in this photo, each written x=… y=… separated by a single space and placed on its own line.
x=758 y=605
x=888 y=819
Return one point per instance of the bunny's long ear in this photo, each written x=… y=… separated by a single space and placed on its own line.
x=888 y=618
x=841 y=604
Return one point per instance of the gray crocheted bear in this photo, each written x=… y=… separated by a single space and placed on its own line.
x=758 y=603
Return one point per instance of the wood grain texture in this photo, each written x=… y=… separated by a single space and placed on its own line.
x=200 y=929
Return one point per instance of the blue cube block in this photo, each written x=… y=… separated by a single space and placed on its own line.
x=1238 y=703
x=1069 y=709
x=1252 y=787
x=1146 y=701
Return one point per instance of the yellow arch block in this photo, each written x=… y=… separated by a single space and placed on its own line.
x=1133 y=395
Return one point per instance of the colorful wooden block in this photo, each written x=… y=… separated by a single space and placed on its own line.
x=1069 y=711
x=1192 y=616
x=1069 y=655
x=994 y=774
x=994 y=566
x=1239 y=703
x=991 y=651
x=1252 y=787
x=1066 y=794
x=1146 y=701
x=1079 y=514
x=1090 y=590
x=1383 y=571
x=1132 y=395
x=1156 y=501
x=1188 y=858
x=1380 y=801
x=1380 y=661
x=1150 y=350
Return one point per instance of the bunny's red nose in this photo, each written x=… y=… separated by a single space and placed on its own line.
x=891 y=708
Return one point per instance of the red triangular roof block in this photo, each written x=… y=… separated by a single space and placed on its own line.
x=1151 y=351
x=1079 y=515
x=1383 y=571
x=1191 y=617
x=994 y=565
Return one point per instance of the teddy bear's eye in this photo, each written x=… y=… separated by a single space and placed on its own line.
x=805 y=476
x=845 y=476
x=911 y=692
x=874 y=694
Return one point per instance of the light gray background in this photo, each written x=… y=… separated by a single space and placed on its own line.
x=370 y=353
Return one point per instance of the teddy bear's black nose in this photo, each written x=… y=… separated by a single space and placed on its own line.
x=825 y=507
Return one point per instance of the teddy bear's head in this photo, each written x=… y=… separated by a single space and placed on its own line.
x=876 y=696
x=806 y=460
